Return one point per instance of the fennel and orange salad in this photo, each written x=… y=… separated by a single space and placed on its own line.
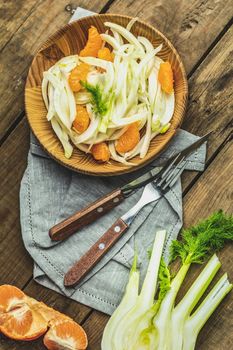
x=112 y=98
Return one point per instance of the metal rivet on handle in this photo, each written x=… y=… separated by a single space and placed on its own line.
x=100 y=209
x=116 y=200
x=101 y=246
x=117 y=229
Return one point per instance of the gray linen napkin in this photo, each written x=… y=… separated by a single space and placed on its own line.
x=50 y=193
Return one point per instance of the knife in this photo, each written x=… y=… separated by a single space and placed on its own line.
x=95 y=210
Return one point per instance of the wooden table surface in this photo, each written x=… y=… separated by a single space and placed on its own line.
x=202 y=31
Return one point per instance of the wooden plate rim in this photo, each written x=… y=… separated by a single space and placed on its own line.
x=172 y=131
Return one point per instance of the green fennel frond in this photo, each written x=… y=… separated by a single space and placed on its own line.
x=164 y=279
x=99 y=102
x=200 y=241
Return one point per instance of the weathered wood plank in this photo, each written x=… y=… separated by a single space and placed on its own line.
x=213 y=191
x=12 y=15
x=15 y=263
x=210 y=104
x=191 y=25
x=44 y=19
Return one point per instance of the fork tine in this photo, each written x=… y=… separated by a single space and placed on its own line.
x=172 y=180
x=165 y=176
x=174 y=170
x=165 y=171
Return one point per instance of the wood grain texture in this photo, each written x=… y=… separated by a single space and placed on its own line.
x=70 y=40
x=211 y=99
x=87 y=215
x=13 y=256
x=190 y=25
x=12 y=16
x=44 y=19
x=86 y=263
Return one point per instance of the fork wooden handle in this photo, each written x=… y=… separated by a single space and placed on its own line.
x=85 y=216
x=81 y=268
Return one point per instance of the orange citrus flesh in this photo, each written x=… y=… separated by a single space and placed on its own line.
x=82 y=119
x=78 y=73
x=101 y=152
x=65 y=336
x=93 y=44
x=105 y=54
x=165 y=77
x=10 y=298
x=23 y=324
x=129 y=139
x=49 y=314
x=26 y=319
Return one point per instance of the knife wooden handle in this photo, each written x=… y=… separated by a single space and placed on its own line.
x=81 y=268
x=85 y=216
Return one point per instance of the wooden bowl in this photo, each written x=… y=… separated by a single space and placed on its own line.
x=70 y=40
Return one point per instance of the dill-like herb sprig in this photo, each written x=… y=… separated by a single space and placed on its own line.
x=200 y=241
x=99 y=102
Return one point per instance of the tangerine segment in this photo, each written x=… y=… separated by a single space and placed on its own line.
x=129 y=139
x=10 y=297
x=105 y=54
x=93 y=44
x=66 y=336
x=165 y=77
x=22 y=324
x=78 y=73
x=101 y=152
x=82 y=119
x=49 y=314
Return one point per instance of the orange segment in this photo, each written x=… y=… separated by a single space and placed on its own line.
x=66 y=336
x=78 y=73
x=105 y=54
x=23 y=324
x=10 y=298
x=50 y=315
x=93 y=44
x=82 y=119
x=165 y=77
x=101 y=152
x=129 y=139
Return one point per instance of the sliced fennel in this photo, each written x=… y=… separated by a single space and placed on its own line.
x=128 y=301
x=148 y=324
x=116 y=90
x=125 y=336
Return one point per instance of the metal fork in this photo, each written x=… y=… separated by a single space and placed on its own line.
x=155 y=190
x=152 y=191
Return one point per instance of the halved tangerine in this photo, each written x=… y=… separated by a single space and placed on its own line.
x=67 y=335
x=23 y=324
x=10 y=297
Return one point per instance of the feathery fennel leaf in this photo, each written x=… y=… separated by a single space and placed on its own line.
x=100 y=104
x=200 y=241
